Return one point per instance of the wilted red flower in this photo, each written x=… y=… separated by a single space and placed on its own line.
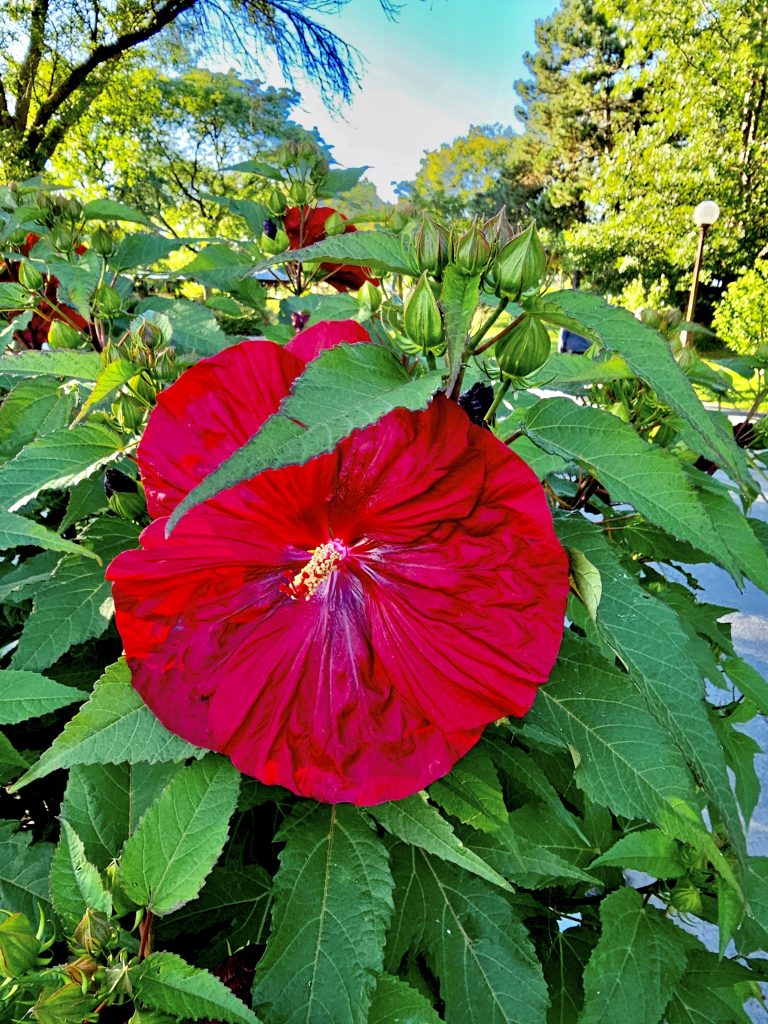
x=48 y=307
x=305 y=225
x=346 y=628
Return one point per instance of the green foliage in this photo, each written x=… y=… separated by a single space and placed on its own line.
x=333 y=902
x=170 y=889
x=741 y=318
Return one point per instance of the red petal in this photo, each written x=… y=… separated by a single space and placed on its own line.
x=211 y=411
x=308 y=344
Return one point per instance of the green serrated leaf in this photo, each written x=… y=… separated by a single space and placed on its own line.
x=21 y=582
x=459 y=297
x=75 y=882
x=179 y=839
x=196 y=330
x=141 y=249
x=105 y=802
x=340 y=179
x=415 y=822
x=13 y=296
x=36 y=406
x=333 y=902
x=472 y=793
x=76 y=604
x=58 y=459
x=345 y=388
x=112 y=377
x=473 y=940
x=635 y=966
x=113 y=726
x=650 y=851
x=16 y=532
x=633 y=471
x=563 y=966
x=626 y=761
x=236 y=901
x=108 y=209
x=166 y=982
x=650 y=358
x=647 y=636
x=25 y=695
x=524 y=861
x=24 y=870
x=382 y=251
x=749 y=681
x=85 y=366
x=585 y=581
x=395 y=1002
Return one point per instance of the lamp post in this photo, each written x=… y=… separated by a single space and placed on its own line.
x=704 y=216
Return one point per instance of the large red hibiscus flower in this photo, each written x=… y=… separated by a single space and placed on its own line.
x=305 y=225
x=346 y=628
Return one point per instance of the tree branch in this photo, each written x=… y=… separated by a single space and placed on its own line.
x=103 y=53
x=31 y=62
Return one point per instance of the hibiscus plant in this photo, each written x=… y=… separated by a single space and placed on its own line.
x=355 y=664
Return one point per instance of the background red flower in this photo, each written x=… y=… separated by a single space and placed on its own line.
x=346 y=628
x=305 y=225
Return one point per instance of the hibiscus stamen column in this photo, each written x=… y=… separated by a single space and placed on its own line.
x=325 y=560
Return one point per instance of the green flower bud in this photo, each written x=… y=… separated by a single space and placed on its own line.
x=63 y=1005
x=30 y=277
x=686 y=898
x=397 y=220
x=19 y=945
x=369 y=296
x=422 y=319
x=334 y=225
x=129 y=412
x=521 y=264
x=498 y=230
x=276 y=203
x=102 y=241
x=432 y=245
x=526 y=348
x=94 y=931
x=106 y=302
x=63 y=335
x=62 y=238
x=272 y=246
x=298 y=192
x=471 y=252
x=144 y=387
x=649 y=317
x=73 y=207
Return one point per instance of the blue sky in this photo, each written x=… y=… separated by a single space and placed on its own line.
x=442 y=66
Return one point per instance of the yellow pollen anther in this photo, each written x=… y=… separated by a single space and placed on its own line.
x=325 y=560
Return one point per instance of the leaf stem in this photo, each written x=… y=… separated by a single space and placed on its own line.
x=502 y=334
x=145 y=935
x=498 y=398
x=483 y=330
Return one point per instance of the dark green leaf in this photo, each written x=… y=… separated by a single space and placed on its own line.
x=166 y=982
x=459 y=296
x=333 y=903
x=395 y=1002
x=650 y=851
x=473 y=940
x=635 y=966
x=472 y=793
x=650 y=358
x=142 y=250
x=340 y=179
x=59 y=459
x=179 y=839
x=25 y=695
x=381 y=251
x=36 y=406
x=68 y=365
x=196 y=331
x=415 y=822
x=24 y=870
x=114 y=726
x=76 y=604
x=16 y=532
x=108 y=209
x=75 y=882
